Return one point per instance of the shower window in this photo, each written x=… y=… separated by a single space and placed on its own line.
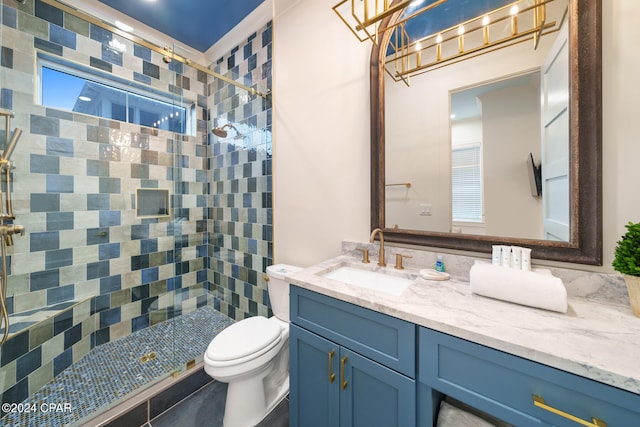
x=69 y=86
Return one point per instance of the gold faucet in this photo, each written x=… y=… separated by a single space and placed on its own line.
x=381 y=262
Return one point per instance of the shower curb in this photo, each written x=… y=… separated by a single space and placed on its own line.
x=137 y=410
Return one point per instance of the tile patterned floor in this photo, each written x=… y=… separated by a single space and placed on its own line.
x=110 y=372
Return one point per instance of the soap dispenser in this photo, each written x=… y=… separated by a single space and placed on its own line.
x=440 y=264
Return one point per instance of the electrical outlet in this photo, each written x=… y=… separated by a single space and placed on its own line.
x=425 y=209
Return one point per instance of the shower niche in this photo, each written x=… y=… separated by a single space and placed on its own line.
x=152 y=203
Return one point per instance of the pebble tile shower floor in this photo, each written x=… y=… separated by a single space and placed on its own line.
x=114 y=370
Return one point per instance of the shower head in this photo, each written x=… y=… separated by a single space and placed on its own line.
x=221 y=133
x=11 y=145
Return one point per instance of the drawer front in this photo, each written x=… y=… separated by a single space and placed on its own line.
x=505 y=385
x=385 y=339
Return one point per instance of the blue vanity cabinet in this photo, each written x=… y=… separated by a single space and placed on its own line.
x=519 y=391
x=349 y=366
x=314 y=393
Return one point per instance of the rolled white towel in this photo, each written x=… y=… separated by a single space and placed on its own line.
x=538 y=288
x=451 y=416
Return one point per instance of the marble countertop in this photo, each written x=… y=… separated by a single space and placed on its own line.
x=594 y=340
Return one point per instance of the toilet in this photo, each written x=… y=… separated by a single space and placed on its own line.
x=252 y=356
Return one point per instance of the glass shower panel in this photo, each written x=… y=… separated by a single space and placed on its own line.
x=145 y=234
x=95 y=284
x=192 y=327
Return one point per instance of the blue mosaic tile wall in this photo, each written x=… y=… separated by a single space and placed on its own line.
x=240 y=197
x=74 y=191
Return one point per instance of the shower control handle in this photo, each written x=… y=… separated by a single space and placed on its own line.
x=11 y=229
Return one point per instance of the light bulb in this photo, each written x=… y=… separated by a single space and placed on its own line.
x=514 y=19
x=485 y=29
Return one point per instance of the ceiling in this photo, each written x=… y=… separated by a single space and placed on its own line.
x=196 y=23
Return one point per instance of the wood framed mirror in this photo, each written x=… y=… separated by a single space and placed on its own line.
x=584 y=242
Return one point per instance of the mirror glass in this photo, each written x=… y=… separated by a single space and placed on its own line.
x=464 y=135
x=487 y=149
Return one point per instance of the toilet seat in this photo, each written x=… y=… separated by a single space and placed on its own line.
x=246 y=339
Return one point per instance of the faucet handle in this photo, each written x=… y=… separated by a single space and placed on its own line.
x=19 y=229
x=7 y=232
x=365 y=254
x=399 y=257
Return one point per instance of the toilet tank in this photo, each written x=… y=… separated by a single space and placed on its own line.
x=279 y=289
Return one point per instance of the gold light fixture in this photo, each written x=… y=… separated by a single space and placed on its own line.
x=363 y=17
x=513 y=23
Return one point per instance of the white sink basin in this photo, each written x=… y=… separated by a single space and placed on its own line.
x=375 y=280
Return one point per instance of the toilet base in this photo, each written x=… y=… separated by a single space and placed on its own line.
x=246 y=403
x=255 y=386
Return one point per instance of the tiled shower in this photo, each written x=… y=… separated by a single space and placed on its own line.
x=88 y=270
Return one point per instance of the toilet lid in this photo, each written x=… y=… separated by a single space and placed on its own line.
x=243 y=338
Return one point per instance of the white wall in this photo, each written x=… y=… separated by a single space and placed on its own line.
x=621 y=134
x=511 y=128
x=321 y=130
x=321 y=133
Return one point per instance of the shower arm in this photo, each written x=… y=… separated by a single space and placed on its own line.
x=220 y=131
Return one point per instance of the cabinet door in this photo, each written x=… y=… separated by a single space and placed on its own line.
x=373 y=395
x=314 y=378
